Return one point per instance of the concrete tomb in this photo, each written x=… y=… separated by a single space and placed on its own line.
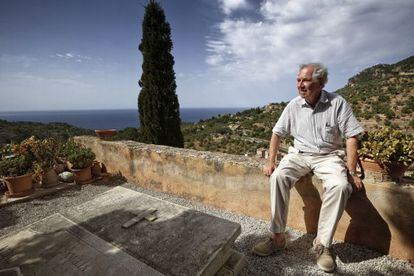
x=123 y=232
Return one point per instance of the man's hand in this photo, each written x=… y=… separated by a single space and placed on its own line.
x=356 y=181
x=268 y=169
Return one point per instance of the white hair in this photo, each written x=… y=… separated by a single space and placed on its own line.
x=320 y=72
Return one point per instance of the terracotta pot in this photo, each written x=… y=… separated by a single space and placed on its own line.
x=394 y=170
x=83 y=176
x=49 y=178
x=19 y=186
x=96 y=169
x=371 y=165
x=106 y=134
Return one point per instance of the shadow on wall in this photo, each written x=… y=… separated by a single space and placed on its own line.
x=311 y=200
x=402 y=221
x=367 y=227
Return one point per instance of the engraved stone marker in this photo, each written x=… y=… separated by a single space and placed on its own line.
x=180 y=242
x=57 y=246
x=89 y=239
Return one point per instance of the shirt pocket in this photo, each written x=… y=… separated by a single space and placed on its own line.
x=330 y=133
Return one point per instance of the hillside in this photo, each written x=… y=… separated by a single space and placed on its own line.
x=237 y=134
x=18 y=131
x=384 y=95
x=380 y=95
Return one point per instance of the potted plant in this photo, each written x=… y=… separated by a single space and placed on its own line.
x=390 y=149
x=81 y=159
x=45 y=152
x=16 y=168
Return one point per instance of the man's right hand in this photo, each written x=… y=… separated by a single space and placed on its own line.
x=268 y=169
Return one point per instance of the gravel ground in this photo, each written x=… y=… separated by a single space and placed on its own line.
x=298 y=259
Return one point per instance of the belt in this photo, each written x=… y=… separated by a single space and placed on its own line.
x=313 y=153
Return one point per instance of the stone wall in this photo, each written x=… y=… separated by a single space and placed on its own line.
x=380 y=218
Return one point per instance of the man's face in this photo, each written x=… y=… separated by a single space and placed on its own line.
x=308 y=89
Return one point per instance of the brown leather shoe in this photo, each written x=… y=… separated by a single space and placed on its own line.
x=324 y=258
x=267 y=247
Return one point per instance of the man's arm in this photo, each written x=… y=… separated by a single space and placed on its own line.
x=273 y=149
x=352 y=159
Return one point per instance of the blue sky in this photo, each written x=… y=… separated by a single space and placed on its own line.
x=77 y=54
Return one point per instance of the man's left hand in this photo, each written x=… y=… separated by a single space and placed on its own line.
x=357 y=182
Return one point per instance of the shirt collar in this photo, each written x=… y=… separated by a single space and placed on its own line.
x=322 y=99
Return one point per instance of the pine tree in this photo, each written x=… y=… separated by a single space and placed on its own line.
x=158 y=106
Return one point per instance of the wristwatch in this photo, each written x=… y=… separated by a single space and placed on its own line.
x=353 y=173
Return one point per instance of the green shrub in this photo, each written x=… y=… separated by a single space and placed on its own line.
x=15 y=166
x=387 y=146
x=81 y=158
x=78 y=155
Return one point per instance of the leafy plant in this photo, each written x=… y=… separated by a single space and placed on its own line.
x=15 y=166
x=387 y=146
x=18 y=159
x=67 y=149
x=45 y=152
x=77 y=154
x=81 y=158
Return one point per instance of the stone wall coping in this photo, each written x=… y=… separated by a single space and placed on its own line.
x=219 y=157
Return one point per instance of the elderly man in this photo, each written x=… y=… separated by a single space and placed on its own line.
x=316 y=119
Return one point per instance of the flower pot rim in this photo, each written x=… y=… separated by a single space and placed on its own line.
x=366 y=159
x=19 y=176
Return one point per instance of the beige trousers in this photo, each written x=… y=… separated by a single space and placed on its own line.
x=330 y=169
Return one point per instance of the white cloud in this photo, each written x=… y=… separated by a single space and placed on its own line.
x=346 y=34
x=230 y=5
x=72 y=56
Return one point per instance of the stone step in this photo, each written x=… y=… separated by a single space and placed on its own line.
x=233 y=265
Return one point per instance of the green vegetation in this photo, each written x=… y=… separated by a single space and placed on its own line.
x=241 y=133
x=383 y=89
x=18 y=159
x=387 y=146
x=128 y=133
x=158 y=105
x=16 y=132
x=16 y=166
x=78 y=155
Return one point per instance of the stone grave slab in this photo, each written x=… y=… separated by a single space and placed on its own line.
x=181 y=241
x=57 y=246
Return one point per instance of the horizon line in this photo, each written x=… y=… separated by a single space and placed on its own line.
x=96 y=109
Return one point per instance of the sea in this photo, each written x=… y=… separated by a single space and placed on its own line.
x=106 y=119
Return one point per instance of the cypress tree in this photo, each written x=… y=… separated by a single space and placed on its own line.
x=158 y=106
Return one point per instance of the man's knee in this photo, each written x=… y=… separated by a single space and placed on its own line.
x=341 y=185
x=280 y=179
